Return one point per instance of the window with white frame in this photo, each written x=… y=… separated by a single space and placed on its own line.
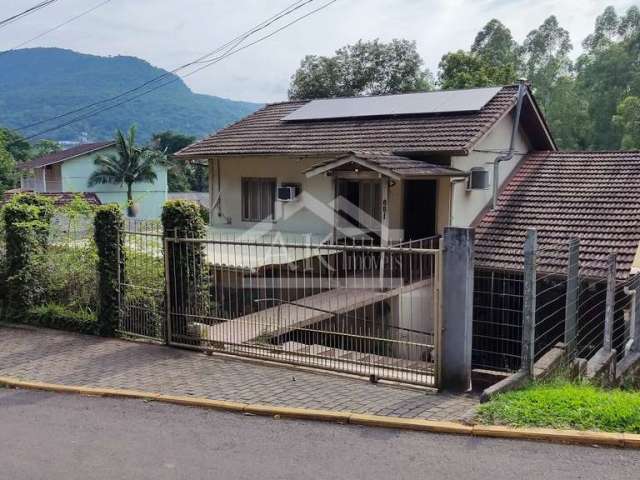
x=258 y=199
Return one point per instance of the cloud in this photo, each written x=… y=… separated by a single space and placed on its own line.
x=168 y=33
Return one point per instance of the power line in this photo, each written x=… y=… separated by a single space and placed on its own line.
x=24 y=13
x=60 y=25
x=230 y=44
x=233 y=50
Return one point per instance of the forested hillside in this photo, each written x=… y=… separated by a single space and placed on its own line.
x=39 y=83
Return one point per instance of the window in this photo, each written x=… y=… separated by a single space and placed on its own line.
x=258 y=199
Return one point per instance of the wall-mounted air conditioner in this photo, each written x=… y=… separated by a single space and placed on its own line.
x=288 y=192
x=478 y=179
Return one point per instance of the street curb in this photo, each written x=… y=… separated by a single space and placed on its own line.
x=625 y=440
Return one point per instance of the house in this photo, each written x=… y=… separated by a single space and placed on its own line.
x=398 y=167
x=592 y=196
x=68 y=171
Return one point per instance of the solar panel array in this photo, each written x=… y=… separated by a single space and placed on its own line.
x=443 y=101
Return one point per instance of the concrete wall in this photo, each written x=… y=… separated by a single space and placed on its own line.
x=149 y=196
x=467 y=205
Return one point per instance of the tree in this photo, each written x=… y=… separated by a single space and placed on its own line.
x=567 y=114
x=8 y=175
x=495 y=46
x=608 y=72
x=493 y=60
x=627 y=120
x=545 y=58
x=365 y=68
x=45 y=147
x=463 y=70
x=132 y=164
x=16 y=145
x=181 y=176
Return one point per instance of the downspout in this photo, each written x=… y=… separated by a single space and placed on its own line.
x=509 y=155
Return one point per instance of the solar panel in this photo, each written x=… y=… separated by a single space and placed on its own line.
x=443 y=101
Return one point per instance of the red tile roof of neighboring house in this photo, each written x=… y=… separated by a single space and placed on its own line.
x=265 y=131
x=594 y=196
x=61 y=198
x=62 y=155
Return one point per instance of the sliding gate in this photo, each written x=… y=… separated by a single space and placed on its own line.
x=360 y=309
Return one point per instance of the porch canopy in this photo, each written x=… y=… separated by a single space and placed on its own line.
x=393 y=166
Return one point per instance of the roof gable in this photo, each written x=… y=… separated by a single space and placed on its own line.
x=593 y=196
x=266 y=132
x=62 y=155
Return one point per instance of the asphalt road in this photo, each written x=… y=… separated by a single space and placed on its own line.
x=56 y=436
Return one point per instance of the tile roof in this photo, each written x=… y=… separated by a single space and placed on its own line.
x=264 y=132
x=593 y=196
x=62 y=155
x=394 y=165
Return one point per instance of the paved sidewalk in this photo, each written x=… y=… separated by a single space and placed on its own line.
x=71 y=359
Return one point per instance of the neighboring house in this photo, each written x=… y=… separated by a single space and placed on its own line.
x=403 y=160
x=68 y=171
x=592 y=196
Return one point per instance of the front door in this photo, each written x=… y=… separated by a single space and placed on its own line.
x=420 y=209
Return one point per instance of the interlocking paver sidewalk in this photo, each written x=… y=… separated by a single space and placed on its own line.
x=71 y=359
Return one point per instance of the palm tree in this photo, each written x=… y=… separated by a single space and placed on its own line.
x=132 y=164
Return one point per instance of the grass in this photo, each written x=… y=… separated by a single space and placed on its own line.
x=562 y=404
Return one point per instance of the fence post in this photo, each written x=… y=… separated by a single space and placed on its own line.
x=571 y=305
x=635 y=325
x=457 y=309
x=610 y=302
x=529 y=302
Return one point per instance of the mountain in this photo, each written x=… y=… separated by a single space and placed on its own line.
x=38 y=83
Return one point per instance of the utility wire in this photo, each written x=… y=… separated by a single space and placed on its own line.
x=209 y=63
x=24 y=13
x=60 y=25
x=266 y=23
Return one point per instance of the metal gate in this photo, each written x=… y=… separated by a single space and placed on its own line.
x=142 y=286
x=359 y=309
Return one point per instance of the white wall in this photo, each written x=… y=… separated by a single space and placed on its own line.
x=467 y=205
x=149 y=196
x=290 y=217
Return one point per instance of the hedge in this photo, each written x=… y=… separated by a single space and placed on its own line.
x=26 y=234
x=61 y=318
x=109 y=238
x=185 y=261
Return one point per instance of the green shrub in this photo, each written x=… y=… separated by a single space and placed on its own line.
x=204 y=213
x=145 y=294
x=25 y=234
x=43 y=203
x=185 y=261
x=61 y=318
x=109 y=238
x=71 y=273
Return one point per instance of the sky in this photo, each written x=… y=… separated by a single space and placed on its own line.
x=169 y=33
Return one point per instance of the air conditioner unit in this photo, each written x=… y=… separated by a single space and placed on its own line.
x=478 y=179
x=287 y=193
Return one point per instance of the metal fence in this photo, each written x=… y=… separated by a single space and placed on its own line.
x=519 y=316
x=355 y=308
x=142 y=293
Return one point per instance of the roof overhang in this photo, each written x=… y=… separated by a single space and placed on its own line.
x=392 y=166
x=33 y=164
